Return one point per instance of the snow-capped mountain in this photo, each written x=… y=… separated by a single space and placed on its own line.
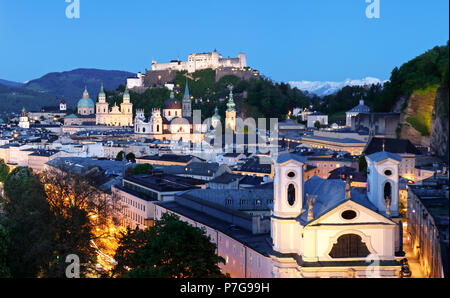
x=325 y=88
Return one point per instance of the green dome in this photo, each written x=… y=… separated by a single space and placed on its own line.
x=86 y=103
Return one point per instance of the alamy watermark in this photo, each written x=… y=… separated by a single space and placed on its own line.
x=73 y=269
x=373 y=9
x=247 y=135
x=73 y=9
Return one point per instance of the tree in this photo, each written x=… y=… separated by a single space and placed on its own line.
x=317 y=124
x=129 y=241
x=29 y=223
x=4 y=171
x=4 y=270
x=362 y=164
x=84 y=217
x=120 y=156
x=130 y=156
x=142 y=168
x=170 y=249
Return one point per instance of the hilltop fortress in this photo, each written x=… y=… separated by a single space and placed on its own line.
x=199 y=61
x=163 y=74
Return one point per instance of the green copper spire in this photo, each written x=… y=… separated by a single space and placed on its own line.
x=231 y=105
x=126 y=94
x=102 y=92
x=186 y=90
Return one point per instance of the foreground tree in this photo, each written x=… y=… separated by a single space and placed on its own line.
x=4 y=270
x=170 y=249
x=82 y=220
x=29 y=223
x=129 y=241
x=4 y=171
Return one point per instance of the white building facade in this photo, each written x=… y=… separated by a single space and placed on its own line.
x=199 y=61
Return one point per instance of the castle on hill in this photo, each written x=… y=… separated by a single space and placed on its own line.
x=199 y=61
x=163 y=74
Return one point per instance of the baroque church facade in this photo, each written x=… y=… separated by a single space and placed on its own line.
x=117 y=116
x=174 y=122
x=326 y=228
x=90 y=113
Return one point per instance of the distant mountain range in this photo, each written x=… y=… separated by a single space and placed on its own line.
x=11 y=83
x=322 y=88
x=48 y=90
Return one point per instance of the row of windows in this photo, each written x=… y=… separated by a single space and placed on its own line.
x=134 y=216
x=169 y=113
x=133 y=203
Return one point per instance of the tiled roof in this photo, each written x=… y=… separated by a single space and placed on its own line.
x=390 y=145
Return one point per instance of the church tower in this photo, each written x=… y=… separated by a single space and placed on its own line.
x=102 y=107
x=382 y=181
x=62 y=105
x=157 y=122
x=230 y=118
x=287 y=203
x=126 y=107
x=383 y=189
x=187 y=103
x=24 y=122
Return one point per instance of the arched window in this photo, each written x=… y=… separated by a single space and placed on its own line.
x=143 y=129
x=387 y=191
x=349 y=246
x=291 y=194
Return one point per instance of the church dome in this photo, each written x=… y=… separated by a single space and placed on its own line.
x=172 y=103
x=85 y=101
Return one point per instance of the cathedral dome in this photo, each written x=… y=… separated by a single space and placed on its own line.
x=85 y=101
x=172 y=103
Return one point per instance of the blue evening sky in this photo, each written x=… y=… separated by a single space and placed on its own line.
x=285 y=39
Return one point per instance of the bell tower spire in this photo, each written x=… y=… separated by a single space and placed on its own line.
x=187 y=103
x=230 y=114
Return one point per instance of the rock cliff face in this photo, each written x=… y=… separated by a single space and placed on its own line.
x=424 y=119
x=440 y=124
x=416 y=115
